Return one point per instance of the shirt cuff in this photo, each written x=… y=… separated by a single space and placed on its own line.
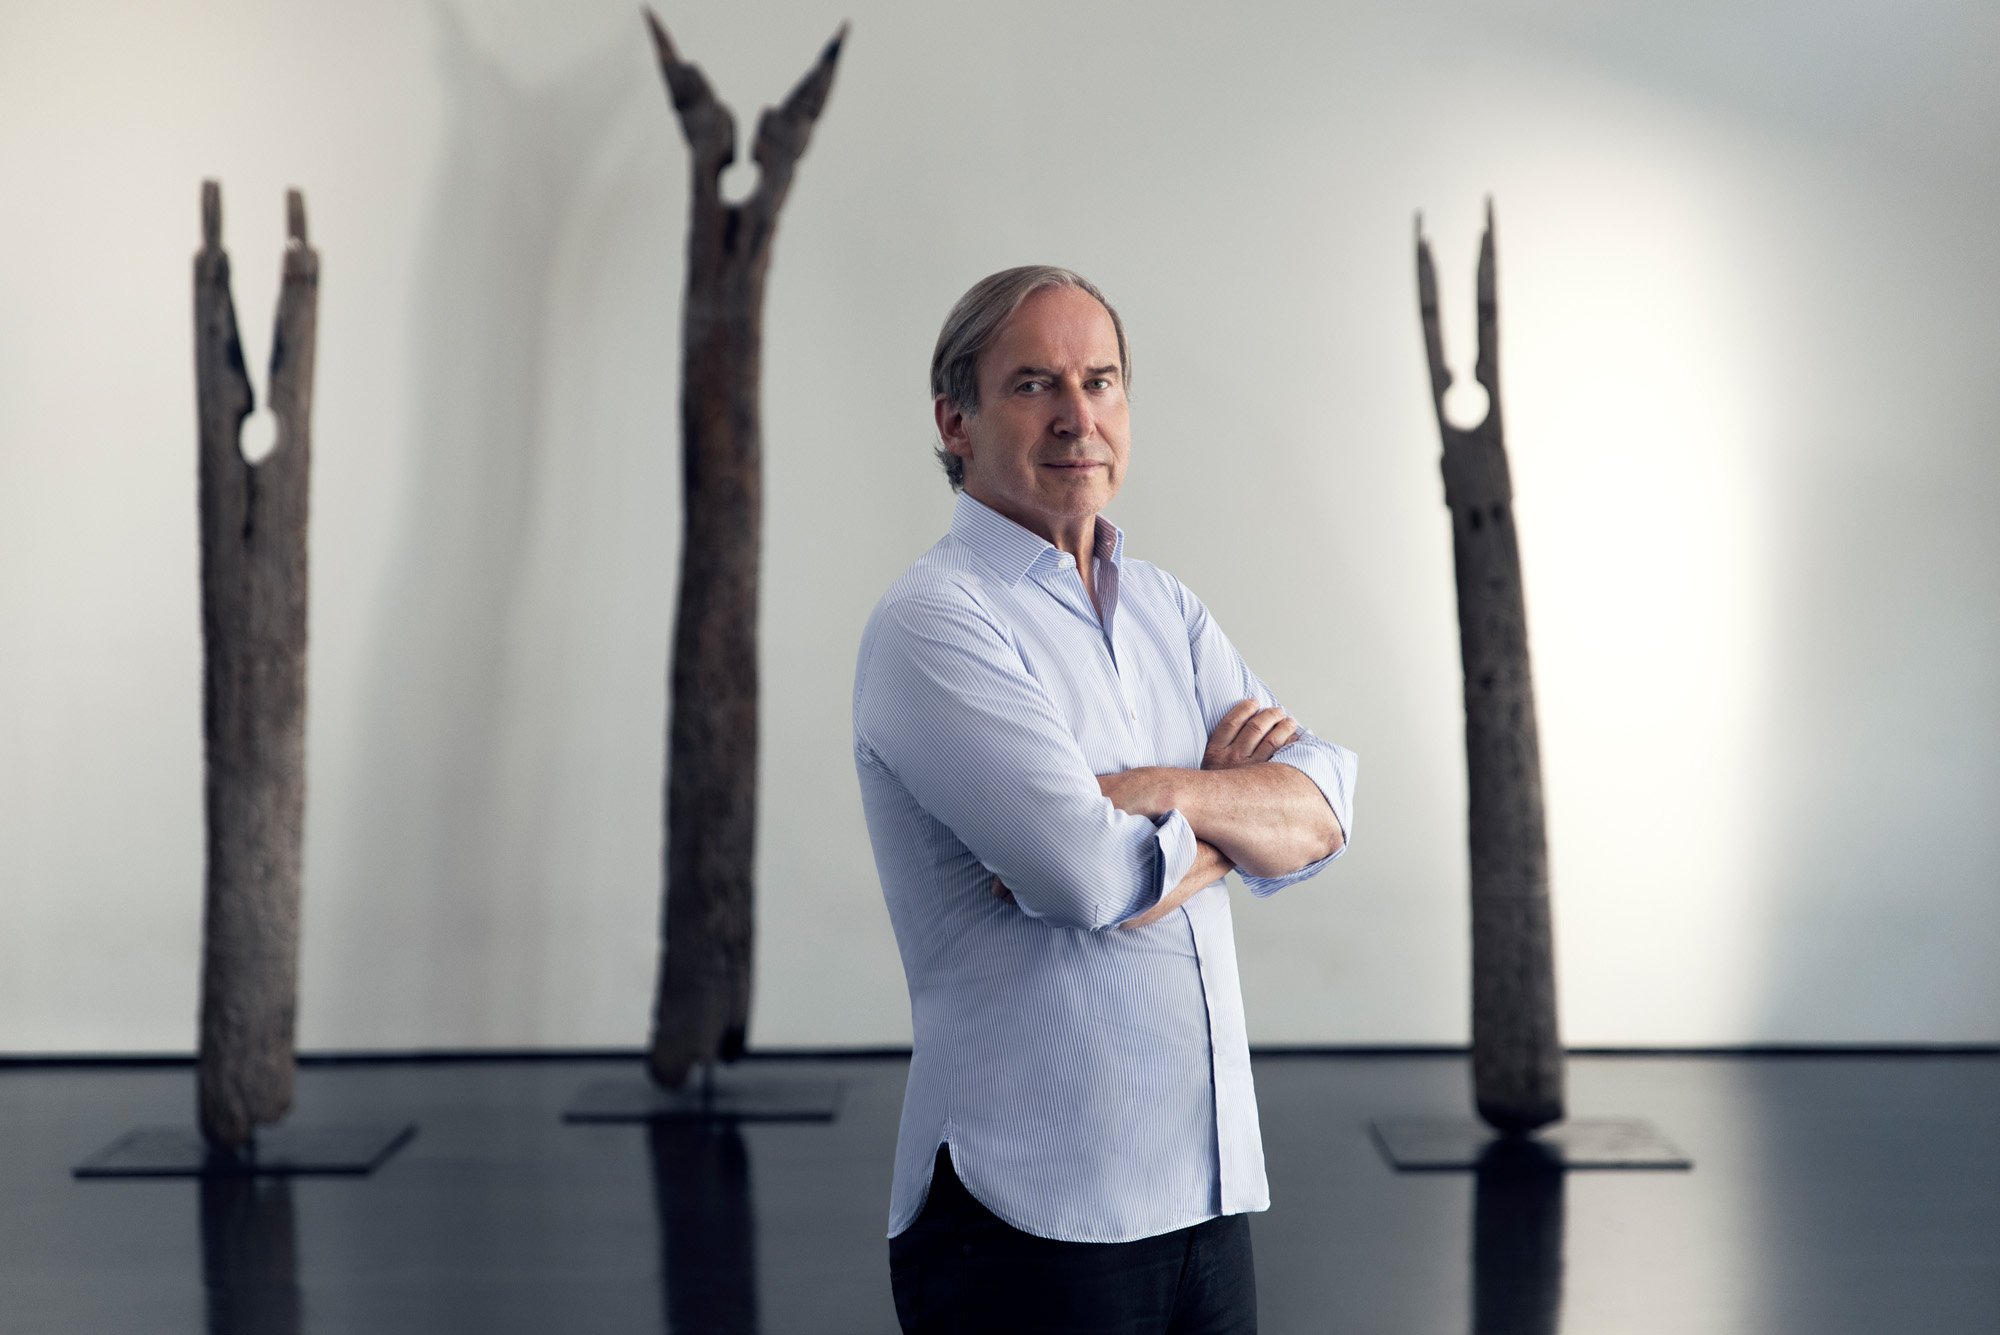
x=1176 y=841
x=1331 y=768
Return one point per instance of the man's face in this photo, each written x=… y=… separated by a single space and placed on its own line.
x=1047 y=447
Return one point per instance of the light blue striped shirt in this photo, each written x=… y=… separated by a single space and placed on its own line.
x=1093 y=1084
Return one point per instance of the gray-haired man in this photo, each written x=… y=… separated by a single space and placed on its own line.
x=1060 y=756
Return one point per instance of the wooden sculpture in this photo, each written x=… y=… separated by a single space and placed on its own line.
x=702 y=1007
x=1517 y=1057
x=253 y=605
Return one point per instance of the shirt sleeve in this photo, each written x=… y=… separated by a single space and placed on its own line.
x=1222 y=678
x=946 y=706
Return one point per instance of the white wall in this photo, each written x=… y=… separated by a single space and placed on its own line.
x=1748 y=307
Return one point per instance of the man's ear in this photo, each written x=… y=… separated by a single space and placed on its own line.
x=951 y=426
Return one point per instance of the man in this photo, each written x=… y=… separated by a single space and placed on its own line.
x=1061 y=755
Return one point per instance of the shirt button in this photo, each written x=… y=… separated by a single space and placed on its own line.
x=1133 y=714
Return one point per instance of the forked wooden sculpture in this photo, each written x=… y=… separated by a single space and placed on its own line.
x=1517 y=1056
x=702 y=1007
x=253 y=621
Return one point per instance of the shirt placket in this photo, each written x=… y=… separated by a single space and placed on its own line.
x=1239 y=1146
x=1066 y=586
x=1121 y=663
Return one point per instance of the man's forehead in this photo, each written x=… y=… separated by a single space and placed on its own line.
x=1056 y=329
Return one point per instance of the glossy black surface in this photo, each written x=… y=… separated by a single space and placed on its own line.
x=1829 y=1195
x=286 y=1150
x=755 y=1095
x=1427 y=1144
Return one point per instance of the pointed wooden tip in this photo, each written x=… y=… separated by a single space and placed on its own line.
x=295 y=217
x=663 y=45
x=1486 y=255
x=808 y=97
x=211 y=213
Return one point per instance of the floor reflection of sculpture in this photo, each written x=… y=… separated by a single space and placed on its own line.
x=708 y=1228
x=1517 y=1239
x=249 y=1256
x=1517 y=1058
x=253 y=583
x=702 y=1007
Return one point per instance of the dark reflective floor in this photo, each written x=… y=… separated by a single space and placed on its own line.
x=1829 y=1195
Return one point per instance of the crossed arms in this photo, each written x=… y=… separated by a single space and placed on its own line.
x=1246 y=813
x=952 y=731
x=1266 y=819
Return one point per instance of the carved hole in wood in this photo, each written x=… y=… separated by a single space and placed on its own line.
x=738 y=181
x=259 y=436
x=1465 y=404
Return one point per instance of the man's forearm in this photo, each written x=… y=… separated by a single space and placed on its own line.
x=1209 y=867
x=1267 y=819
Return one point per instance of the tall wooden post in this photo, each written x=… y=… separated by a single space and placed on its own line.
x=1517 y=1056
x=253 y=586
x=702 y=1007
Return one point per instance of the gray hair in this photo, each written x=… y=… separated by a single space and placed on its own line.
x=975 y=322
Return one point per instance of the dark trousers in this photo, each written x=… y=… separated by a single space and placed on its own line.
x=961 y=1270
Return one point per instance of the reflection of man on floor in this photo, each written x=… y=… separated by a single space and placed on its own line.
x=1061 y=755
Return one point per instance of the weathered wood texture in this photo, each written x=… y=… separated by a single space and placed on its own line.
x=253 y=621
x=702 y=1007
x=1517 y=1058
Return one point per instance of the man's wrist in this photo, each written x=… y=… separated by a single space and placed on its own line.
x=1146 y=790
x=1165 y=788
x=1184 y=788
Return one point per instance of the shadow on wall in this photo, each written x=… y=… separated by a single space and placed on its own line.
x=435 y=844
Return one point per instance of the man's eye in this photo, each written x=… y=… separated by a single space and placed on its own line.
x=1100 y=383
x=1028 y=386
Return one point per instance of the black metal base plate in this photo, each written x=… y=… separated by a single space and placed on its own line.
x=291 y=1151
x=730 y=1097
x=1461 y=1143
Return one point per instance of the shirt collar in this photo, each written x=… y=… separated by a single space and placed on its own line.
x=1012 y=550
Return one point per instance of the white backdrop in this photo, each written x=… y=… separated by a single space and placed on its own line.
x=1749 y=301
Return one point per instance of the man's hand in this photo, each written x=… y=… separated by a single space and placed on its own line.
x=1247 y=735
x=1209 y=867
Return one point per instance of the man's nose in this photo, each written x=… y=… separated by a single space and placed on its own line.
x=1072 y=415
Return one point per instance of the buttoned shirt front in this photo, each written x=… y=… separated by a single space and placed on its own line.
x=1093 y=1083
